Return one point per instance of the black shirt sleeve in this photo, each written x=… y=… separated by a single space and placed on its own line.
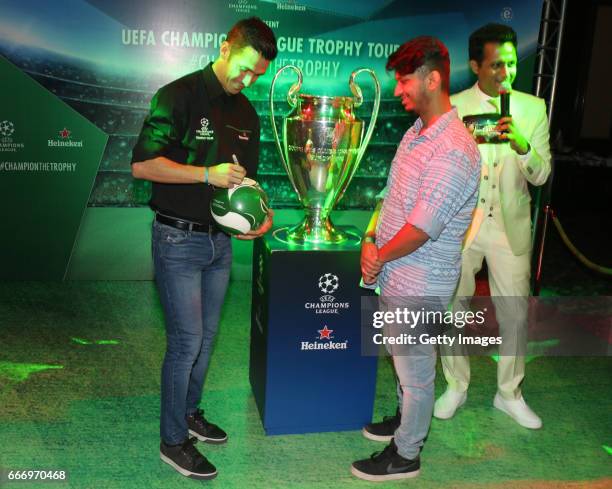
x=163 y=127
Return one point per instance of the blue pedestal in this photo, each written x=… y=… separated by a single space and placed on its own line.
x=306 y=368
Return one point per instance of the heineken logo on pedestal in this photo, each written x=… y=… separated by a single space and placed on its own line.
x=324 y=341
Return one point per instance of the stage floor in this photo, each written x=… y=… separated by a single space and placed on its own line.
x=79 y=392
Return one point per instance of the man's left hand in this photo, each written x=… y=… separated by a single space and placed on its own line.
x=510 y=133
x=260 y=231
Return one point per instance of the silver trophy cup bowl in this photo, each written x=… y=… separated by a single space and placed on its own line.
x=322 y=145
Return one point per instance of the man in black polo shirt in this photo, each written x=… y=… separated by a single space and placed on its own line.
x=201 y=133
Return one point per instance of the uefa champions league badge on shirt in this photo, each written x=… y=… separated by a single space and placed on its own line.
x=205 y=133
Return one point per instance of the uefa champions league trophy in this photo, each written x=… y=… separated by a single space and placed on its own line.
x=323 y=143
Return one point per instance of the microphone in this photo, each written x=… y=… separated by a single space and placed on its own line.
x=504 y=95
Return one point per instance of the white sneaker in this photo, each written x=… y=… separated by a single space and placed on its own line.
x=519 y=411
x=448 y=403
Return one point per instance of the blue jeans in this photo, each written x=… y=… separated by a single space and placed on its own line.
x=415 y=368
x=192 y=272
x=415 y=377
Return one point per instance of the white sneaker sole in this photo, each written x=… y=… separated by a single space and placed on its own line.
x=497 y=404
x=449 y=414
x=383 y=478
x=207 y=440
x=185 y=472
x=373 y=437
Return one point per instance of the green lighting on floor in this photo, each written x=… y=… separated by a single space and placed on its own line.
x=82 y=341
x=535 y=349
x=607 y=449
x=19 y=372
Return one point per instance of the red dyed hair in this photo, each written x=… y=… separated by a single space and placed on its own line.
x=425 y=51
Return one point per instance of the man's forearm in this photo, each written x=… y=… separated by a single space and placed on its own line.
x=371 y=228
x=407 y=240
x=164 y=170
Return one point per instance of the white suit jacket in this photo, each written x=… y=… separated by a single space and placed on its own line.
x=529 y=115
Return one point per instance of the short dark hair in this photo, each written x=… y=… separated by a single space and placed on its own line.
x=497 y=33
x=425 y=51
x=253 y=32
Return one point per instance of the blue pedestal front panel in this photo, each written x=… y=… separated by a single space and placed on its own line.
x=306 y=368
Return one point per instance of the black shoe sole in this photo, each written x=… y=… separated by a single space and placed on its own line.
x=386 y=477
x=212 y=441
x=373 y=437
x=185 y=472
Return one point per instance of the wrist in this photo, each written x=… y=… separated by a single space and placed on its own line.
x=382 y=255
x=524 y=149
x=206 y=174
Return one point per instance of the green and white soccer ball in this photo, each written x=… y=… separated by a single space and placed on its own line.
x=240 y=209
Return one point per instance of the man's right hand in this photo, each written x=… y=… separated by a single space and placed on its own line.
x=370 y=264
x=226 y=175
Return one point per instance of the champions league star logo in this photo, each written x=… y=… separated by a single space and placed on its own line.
x=7 y=145
x=328 y=283
x=204 y=133
x=7 y=128
x=327 y=303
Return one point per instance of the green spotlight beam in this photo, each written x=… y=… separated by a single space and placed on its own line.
x=19 y=372
x=83 y=341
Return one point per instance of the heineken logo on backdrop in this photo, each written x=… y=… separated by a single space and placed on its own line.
x=204 y=133
x=290 y=5
x=64 y=140
x=7 y=143
x=328 y=283
x=324 y=341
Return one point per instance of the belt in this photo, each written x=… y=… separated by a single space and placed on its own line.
x=187 y=225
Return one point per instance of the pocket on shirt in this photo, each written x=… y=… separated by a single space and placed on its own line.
x=238 y=138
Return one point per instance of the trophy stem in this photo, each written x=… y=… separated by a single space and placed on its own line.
x=316 y=228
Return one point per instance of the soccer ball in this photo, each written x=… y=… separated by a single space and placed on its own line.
x=240 y=209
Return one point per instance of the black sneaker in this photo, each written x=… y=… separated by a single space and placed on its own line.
x=203 y=430
x=386 y=465
x=187 y=460
x=384 y=430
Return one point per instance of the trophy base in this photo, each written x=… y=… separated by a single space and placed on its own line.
x=306 y=236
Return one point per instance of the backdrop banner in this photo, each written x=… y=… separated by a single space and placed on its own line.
x=106 y=58
x=49 y=156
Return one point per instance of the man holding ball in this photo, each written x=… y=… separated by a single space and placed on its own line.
x=197 y=126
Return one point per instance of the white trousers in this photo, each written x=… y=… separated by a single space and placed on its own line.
x=509 y=284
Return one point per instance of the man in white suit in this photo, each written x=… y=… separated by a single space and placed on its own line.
x=500 y=231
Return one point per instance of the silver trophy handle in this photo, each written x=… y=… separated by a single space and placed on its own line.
x=359 y=100
x=292 y=101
